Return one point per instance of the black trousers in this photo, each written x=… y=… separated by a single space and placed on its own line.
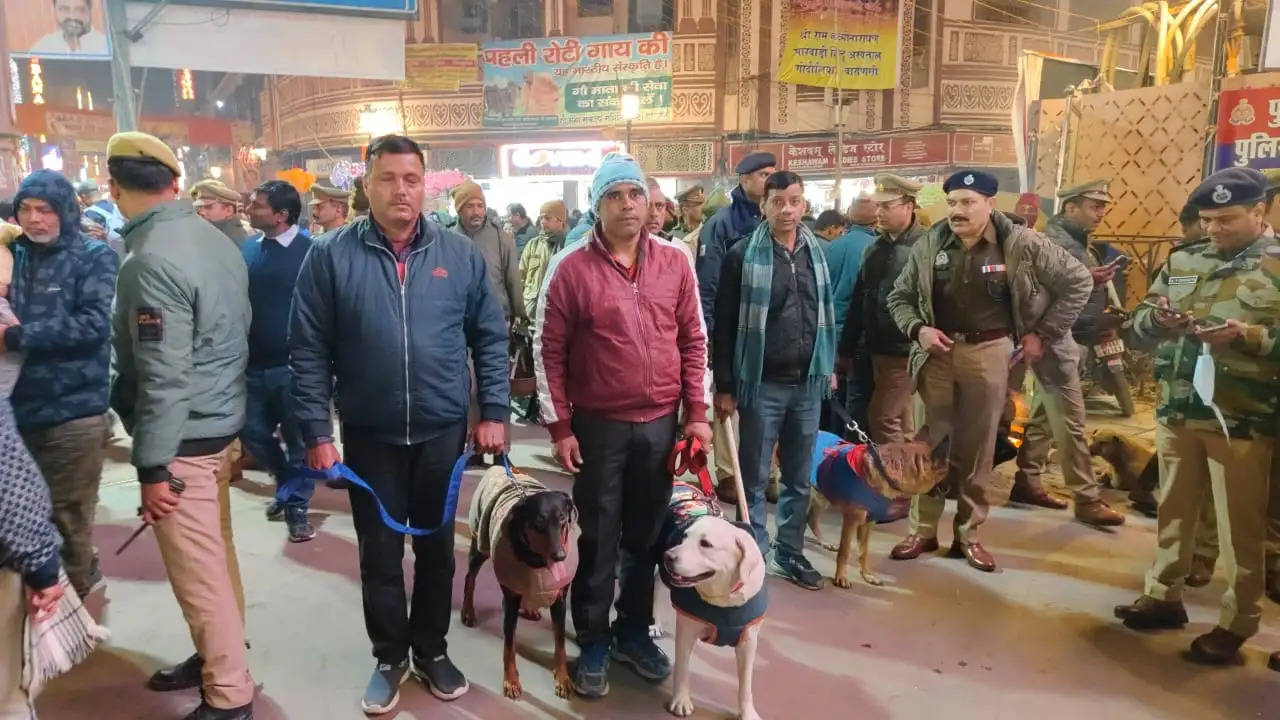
x=621 y=493
x=412 y=481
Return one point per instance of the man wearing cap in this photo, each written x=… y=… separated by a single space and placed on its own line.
x=178 y=387
x=497 y=246
x=970 y=288
x=690 y=209
x=328 y=207
x=869 y=327
x=220 y=205
x=618 y=349
x=1216 y=318
x=553 y=218
x=1057 y=405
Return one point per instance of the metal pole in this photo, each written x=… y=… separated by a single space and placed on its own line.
x=121 y=68
x=629 y=151
x=835 y=11
x=1219 y=69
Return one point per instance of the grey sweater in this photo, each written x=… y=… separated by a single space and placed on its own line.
x=503 y=265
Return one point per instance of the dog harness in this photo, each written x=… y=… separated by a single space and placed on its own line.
x=538 y=587
x=838 y=468
x=724 y=626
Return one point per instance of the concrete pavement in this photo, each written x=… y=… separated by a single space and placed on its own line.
x=939 y=641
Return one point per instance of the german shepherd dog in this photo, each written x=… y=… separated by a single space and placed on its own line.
x=905 y=469
x=531 y=534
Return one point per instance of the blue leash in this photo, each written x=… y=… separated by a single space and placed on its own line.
x=340 y=470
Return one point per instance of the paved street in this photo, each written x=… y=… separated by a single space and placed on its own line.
x=1035 y=639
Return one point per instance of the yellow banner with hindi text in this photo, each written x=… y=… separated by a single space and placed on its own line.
x=849 y=44
x=441 y=66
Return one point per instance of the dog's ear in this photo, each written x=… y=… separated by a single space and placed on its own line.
x=941 y=450
x=751 y=567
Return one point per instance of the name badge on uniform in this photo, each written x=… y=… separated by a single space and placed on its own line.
x=150 y=325
x=1182 y=280
x=941 y=260
x=992 y=269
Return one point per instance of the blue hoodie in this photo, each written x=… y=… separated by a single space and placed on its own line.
x=62 y=295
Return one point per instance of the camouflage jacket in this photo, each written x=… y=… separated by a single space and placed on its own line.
x=1214 y=287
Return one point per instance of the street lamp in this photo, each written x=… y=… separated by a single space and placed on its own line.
x=630 y=107
x=376 y=123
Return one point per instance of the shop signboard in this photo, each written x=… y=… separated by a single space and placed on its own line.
x=1248 y=133
x=803 y=157
x=923 y=149
x=737 y=152
x=440 y=66
x=899 y=151
x=574 y=159
x=850 y=44
x=576 y=81
x=984 y=149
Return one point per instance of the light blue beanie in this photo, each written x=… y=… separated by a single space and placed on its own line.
x=617 y=168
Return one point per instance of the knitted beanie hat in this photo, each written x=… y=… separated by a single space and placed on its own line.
x=464 y=191
x=617 y=168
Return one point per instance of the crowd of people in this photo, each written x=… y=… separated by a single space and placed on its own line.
x=644 y=320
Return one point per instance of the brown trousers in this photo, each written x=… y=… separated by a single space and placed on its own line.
x=14 y=703
x=70 y=456
x=195 y=555
x=1058 y=418
x=1237 y=473
x=964 y=395
x=889 y=412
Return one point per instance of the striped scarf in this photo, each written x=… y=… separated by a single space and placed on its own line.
x=753 y=313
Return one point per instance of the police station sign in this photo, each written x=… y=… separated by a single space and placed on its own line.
x=1248 y=129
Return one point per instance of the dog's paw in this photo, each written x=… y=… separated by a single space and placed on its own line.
x=681 y=706
x=468 y=617
x=512 y=689
x=534 y=614
x=870 y=579
x=749 y=714
x=842 y=581
x=564 y=685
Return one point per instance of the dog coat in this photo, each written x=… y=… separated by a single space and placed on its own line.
x=837 y=468
x=538 y=587
x=724 y=625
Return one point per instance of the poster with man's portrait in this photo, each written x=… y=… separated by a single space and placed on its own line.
x=71 y=29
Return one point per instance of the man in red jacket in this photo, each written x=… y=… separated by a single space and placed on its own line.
x=627 y=303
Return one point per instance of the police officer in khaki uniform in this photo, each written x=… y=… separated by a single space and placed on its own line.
x=178 y=386
x=969 y=288
x=1057 y=406
x=690 y=207
x=328 y=207
x=220 y=205
x=1218 y=312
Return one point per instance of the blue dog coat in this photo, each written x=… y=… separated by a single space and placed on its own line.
x=835 y=475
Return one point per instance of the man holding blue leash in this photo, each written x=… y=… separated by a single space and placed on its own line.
x=390 y=306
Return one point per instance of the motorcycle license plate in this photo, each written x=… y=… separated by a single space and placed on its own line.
x=1111 y=347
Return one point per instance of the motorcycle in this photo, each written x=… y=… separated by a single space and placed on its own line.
x=1106 y=367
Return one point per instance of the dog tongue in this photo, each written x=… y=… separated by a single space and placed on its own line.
x=560 y=573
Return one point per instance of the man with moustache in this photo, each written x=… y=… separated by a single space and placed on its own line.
x=497 y=246
x=328 y=207
x=392 y=306
x=75 y=34
x=970 y=287
x=658 y=217
x=619 y=351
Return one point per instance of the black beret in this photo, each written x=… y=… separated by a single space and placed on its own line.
x=755 y=161
x=974 y=180
x=1233 y=186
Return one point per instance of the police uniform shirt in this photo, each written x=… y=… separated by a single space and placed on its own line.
x=971 y=286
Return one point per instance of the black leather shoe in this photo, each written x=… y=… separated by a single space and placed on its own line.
x=183 y=676
x=1216 y=647
x=1148 y=613
x=208 y=712
x=1201 y=571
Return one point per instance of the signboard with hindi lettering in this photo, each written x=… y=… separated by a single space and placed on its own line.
x=576 y=81
x=1248 y=129
x=850 y=44
x=440 y=66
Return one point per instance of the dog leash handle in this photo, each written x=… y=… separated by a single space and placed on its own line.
x=339 y=470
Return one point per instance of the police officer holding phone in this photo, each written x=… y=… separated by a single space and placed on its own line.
x=1057 y=406
x=1212 y=316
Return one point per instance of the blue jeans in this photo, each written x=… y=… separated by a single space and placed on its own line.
x=266 y=410
x=788 y=416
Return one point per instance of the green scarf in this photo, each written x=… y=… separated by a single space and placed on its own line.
x=753 y=313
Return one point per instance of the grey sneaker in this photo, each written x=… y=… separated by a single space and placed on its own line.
x=796 y=569
x=300 y=529
x=383 y=691
x=275 y=510
x=441 y=677
x=634 y=647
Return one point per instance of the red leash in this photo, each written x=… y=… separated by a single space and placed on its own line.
x=689 y=456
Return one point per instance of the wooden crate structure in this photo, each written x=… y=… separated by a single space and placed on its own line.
x=1149 y=142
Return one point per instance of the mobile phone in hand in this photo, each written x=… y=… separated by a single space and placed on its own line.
x=1119 y=262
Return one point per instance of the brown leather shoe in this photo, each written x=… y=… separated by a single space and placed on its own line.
x=1216 y=647
x=978 y=557
x=1037 y=496
x=727 y=491
x=1201 y=571
x=912 y=546
x=1274 y=661
x=1148 y=613
x=1096 y=512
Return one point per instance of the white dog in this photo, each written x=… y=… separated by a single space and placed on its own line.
x=716 y=576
